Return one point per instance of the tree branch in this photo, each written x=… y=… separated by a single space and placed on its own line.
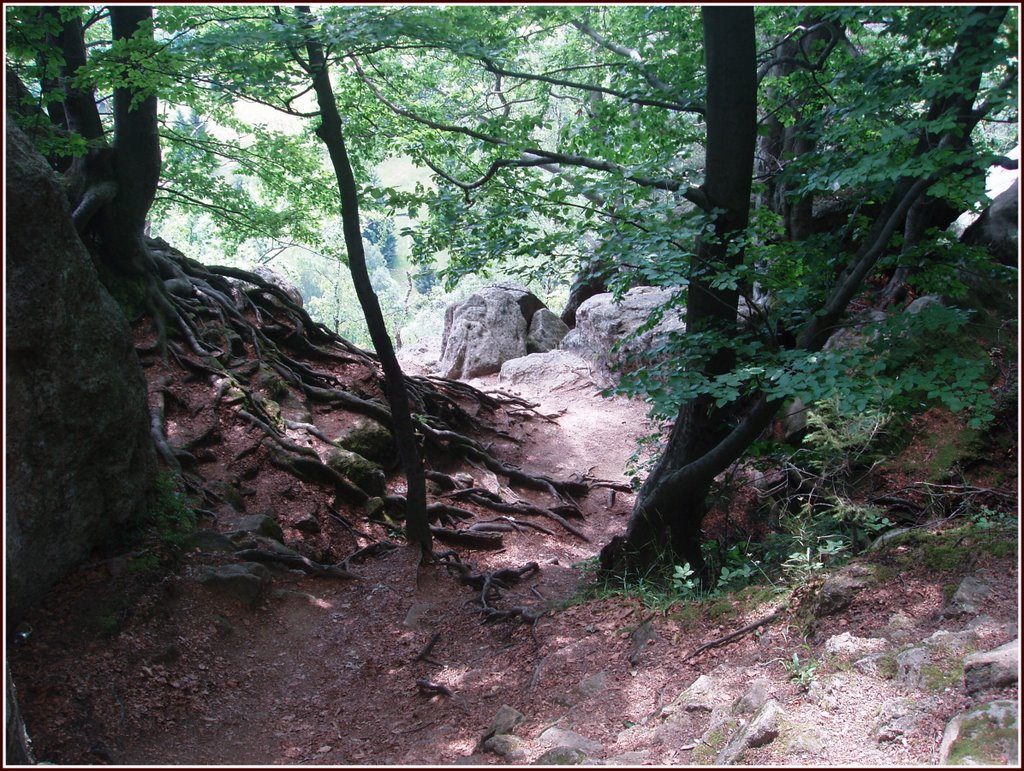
x=631 y=53
x=692 y=194
x=490 y=66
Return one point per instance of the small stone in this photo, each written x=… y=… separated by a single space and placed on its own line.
x=309 y=523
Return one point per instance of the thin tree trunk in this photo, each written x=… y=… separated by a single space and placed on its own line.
x=417 y=526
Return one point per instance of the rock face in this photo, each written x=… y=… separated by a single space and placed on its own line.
x=485 y=330
x=80 y=461
x=601 y=323
x=553 y=370
x=996 y=229
x=546 y=332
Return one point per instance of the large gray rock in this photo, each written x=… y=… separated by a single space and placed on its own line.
x=546 y=332
x=80 y=460
x=601 y=323
x=485 y=330
x=996 y=229
x=993 y=669
x=762 y=729
x=247 y=582
x=271 y=276
x=983 y=736
x=553 y=370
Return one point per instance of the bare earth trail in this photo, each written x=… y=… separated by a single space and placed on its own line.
x=397 y=668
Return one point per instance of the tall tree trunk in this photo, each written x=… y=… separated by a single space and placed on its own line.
x=417 y=526
x=706 y=439
x=136 y=157
x=671 y=506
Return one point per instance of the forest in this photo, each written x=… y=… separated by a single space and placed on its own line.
x=195 y=437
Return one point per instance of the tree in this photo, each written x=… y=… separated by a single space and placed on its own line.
x=673 y=500
x=847 y=86
x=561 y=136
x=417 y=526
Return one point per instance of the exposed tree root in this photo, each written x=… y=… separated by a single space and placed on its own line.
x=249 y=340
x=468 y=539
x=296 y=561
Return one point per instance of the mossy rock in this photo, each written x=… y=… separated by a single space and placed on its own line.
x=713 y=741
x=985 y=735
x=269 y=382
x=362 y=472
x=562 y=756
x=368 y=438
x=264 y=523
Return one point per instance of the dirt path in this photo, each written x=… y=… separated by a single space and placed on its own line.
x=326 y=671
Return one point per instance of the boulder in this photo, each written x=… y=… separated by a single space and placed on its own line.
x=562 y=756
x=485 y=330
x=896 y=718
x=364 y=474
x=508 y=746
x=994 y=668
x=505 y=722
x=702 y=694
x=857 y=330
x=969 y=596
x=554 y=370
x=80 y=459
x=996 y=229
x=271 y=276
x=546 y=332
x=601 y=323
x=264 y=523
x=840 y=589
x=753 y=699
x=245 y=581
x=988 y=735
x=561 y=737
x=368 y=438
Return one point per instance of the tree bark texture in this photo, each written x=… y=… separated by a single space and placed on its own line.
x=672 y=502
x=417 y=526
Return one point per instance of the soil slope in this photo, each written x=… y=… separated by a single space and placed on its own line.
x=127 y=664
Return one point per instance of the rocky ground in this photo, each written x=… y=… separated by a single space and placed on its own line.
x=865 y=664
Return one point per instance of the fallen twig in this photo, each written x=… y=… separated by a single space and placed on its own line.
x=733 y=635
